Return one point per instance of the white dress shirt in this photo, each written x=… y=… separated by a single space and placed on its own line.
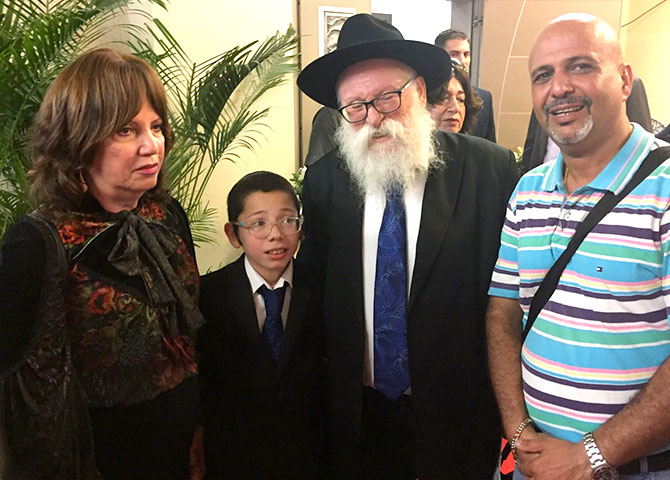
x=372 y=222
x=256 y=281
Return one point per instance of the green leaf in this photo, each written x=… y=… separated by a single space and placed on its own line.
x=37 y=40
x=213 y=107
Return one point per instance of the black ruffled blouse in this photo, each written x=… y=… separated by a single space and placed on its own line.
x=97 y=354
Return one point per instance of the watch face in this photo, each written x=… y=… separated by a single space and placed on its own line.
x=606 y=472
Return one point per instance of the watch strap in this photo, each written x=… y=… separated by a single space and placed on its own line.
x=599 y=467
x=593 y=452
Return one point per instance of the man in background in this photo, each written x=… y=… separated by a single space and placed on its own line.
x=457 y=45
x=322 y=138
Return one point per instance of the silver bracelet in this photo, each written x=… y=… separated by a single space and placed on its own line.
x=517 y=434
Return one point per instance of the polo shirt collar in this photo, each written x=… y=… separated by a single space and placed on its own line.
x=617 y=173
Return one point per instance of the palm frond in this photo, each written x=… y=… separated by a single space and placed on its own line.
x=203 y=224
x=37 y=40
x=213 y=110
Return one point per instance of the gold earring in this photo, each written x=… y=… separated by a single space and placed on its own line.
x=82 y=181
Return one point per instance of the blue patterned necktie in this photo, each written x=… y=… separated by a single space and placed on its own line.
x=390 y=316
x=273 y=330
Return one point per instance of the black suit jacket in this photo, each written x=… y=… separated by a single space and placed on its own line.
x=664 y=134
x=322 y=139
x=261 y=420
x=535 y=146
x=485 y=126
x=463 y=210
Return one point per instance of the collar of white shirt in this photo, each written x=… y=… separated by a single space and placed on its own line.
x=256 y=280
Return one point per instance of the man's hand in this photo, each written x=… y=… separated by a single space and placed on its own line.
x=548 y=458
x=524 y=457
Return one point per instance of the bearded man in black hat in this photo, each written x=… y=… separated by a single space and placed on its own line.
x=403 y=222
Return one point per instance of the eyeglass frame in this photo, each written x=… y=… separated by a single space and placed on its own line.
x=369 y=103
x=299 y=218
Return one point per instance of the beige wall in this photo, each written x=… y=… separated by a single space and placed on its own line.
x=510 y=27
x=646 y=42
x=205 y=28
x=309 y=46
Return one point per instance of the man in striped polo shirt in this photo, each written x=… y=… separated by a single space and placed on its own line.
x=596 y=357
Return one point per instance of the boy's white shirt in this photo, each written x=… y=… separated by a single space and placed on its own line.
x=256 y=280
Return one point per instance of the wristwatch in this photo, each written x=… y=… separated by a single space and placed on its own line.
x=601 y=470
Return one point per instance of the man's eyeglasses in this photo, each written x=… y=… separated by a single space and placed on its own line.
x=384 y=103
x=261 y=227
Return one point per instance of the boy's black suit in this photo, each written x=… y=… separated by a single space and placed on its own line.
x=262 y=421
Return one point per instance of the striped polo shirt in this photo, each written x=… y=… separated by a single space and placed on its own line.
x=605 y=330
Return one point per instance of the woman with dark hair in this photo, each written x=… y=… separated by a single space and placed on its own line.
x=98 y=289
x=454 y=105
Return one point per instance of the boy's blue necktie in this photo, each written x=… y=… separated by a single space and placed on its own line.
x=390 y=316
x=273 y=331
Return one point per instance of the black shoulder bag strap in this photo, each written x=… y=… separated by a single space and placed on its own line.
x=602 y=208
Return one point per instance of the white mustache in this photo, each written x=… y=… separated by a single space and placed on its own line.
x=388 y=127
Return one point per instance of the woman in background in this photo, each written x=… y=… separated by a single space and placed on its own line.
x=454 y=105
x=98 y=289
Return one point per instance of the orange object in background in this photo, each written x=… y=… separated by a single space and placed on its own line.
x=506 y=461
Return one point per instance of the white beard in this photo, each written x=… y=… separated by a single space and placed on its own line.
x=394 y=163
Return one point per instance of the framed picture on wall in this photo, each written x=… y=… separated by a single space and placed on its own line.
x=330 y=23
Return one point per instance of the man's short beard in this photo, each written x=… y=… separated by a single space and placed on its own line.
x=394 y=163
x=574 y=137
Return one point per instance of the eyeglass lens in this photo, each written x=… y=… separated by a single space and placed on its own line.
x=386 y=103
x=287 y=226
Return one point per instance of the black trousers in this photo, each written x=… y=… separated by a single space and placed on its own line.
x=150 y=440
x=388 y=437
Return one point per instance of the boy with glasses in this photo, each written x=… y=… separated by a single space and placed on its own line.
x=260 y=349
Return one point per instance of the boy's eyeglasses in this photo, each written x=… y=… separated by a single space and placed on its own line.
x=261 y=227
x=387 y=102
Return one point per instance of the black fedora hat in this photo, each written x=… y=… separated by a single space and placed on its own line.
x=364 y=37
